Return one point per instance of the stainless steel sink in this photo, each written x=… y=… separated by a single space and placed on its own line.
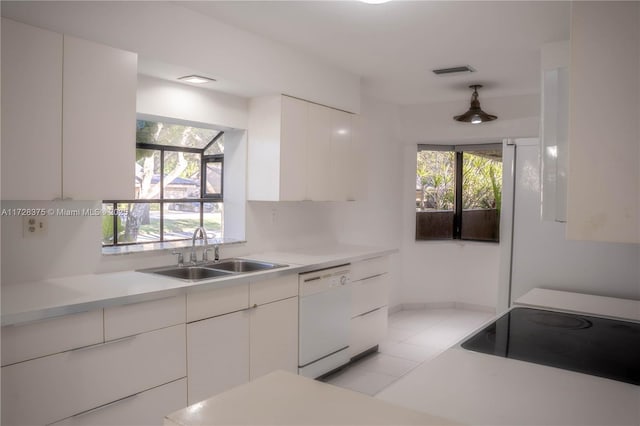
x=190 y=273
x=210 y=270
x=243 y=265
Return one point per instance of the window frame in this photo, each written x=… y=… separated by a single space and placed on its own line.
x=459 y=151
x=162 y=201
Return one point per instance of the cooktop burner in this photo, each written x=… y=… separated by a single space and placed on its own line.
x=597 y=346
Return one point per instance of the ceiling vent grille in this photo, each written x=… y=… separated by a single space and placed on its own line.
x=454 y=70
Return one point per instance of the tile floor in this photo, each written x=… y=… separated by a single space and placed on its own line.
x=415 y=336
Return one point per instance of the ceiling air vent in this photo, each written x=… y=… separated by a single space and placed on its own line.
x=454 y=70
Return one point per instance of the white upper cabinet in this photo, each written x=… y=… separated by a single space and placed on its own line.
x=31 y=112
x=319 y=155
x=299 y=150
x=604 y=137
x=554 y=129
x=68 y=115
x=99 y=121
x=294 y=123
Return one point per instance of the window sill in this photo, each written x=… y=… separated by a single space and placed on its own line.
x=163 y=246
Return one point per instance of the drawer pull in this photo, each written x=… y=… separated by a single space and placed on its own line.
x=372 y=277
x=102 y=345
x=102 y=407
x=368 y=312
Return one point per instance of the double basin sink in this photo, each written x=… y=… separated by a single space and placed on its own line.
x=210 y=270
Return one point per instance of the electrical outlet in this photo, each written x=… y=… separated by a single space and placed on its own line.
x=34 y=225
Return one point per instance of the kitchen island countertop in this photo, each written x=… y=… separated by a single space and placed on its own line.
x=282 y=398
x=478 y=388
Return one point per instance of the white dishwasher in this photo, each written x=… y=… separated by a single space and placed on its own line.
x=325 y=315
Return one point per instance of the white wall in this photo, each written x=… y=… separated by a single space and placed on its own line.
x=172 y=34
x=518 y=116
x=446 y=271
x=168 y=99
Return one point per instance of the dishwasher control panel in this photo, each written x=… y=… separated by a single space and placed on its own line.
x=323 y=280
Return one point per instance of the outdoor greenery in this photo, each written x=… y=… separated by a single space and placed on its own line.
x=436 y=179
x=481 y=180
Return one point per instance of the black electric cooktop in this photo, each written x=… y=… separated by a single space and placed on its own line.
x=597 y=346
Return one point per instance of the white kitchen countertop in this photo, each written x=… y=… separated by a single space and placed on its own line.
x=481 y=389
x=31 y=301
x=282 y=398
x=582 y=303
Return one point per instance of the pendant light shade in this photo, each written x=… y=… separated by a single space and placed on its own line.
x=475 y=115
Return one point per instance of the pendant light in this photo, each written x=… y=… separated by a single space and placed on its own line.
x=475 y=115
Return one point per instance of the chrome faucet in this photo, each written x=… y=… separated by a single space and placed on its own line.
x=193 y=259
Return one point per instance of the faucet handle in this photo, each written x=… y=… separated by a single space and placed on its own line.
x=180 y=257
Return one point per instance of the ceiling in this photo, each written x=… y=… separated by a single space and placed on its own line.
x=394 y=46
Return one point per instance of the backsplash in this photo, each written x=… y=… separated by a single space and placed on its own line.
x=71 y=243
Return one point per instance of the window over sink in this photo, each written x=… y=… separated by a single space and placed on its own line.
x=179 y=176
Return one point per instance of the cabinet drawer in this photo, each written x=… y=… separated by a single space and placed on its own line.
x=211 y=303
x=369 y=267
x=50 y=336
x=369 y=294
x=367 y=331
x=127 y=320
x=52 y=388
x=145 y=408
x=261 y=292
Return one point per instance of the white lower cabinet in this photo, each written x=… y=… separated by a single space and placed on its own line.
x=369 y=304
x=274 y=338
x=55 y=387
x=227 y=350
x=143 y=409
x=36 y=339
x=367 y=330
x=369 y=294
x=217 y=354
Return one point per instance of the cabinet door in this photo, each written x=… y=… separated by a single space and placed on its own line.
x=358 y=168
x=319 y=153
x=274 y=337
x=99 y=121
x=603 y=187
x=31 y=112
x=293 y=149
x=341 y=161
x=217 y=355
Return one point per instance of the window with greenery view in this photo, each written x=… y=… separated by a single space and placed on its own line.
x=458 y=192
x=178 y=186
